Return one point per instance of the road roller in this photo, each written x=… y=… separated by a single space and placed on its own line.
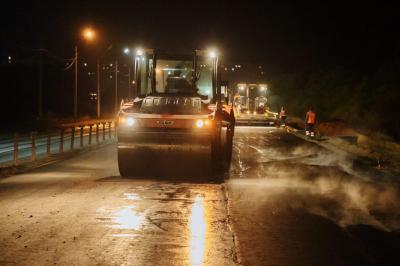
x=178 y=121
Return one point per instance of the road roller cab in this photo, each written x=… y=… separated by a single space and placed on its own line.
x=176 y=116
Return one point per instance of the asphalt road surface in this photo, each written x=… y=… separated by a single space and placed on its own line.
x=284 y=202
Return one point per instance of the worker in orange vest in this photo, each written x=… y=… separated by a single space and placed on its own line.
x=282 y=116
x=311 y=120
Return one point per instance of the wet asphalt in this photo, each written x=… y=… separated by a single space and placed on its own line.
x=285 y=201
x=295 y=203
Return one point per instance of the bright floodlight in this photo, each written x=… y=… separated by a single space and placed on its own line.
x=213 y=54
x=139 y=52
x=127 y=50
x=89 y=34
x=130 y=121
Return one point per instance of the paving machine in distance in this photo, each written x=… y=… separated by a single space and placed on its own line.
x=177 y=119
x=250 y=104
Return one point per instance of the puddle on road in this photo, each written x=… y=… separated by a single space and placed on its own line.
x=126 y=219
x=132 y=196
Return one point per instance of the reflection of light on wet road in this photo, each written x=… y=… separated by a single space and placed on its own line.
x=198 y=229
x=124 y=235
x=128 y=218
x=132 y=196
x=241 y=164
x=125 y=219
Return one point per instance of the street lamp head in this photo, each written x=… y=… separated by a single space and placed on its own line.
x=263 y=87
x=127 y=50
x=139 y=52
x=213 y=54
x=89 y=34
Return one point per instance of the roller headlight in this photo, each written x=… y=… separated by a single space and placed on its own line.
x=122 y=120
x=130 y=121
x=199 y=123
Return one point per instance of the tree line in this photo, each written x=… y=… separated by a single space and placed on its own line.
x=366 y=99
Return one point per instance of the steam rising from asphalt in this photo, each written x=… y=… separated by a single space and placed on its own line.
x=319 y=182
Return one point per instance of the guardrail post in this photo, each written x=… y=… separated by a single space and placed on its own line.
x=81 y=137
x=33 y=139
x=72 y=137
x=97 y=133
x=62 y=141
x=109 y=130
x=90 y=134
x=104 y=131
x=48 y=145
x=16 y=149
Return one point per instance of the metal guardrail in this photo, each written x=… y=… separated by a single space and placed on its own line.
x=24 y=148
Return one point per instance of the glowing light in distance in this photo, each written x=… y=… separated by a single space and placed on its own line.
x=213 y=54
x=139 y=52
x=89 y=34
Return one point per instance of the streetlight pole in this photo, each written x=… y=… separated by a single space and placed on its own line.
x=116 y=87
x=127 y=51
x=129 y=81
x=98 y=81
x=137 y=56
x=40 y=93
x=76 y=84
x=135 y=78
x=98 y=88
x=89 y=35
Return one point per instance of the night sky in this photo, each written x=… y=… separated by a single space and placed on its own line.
x=281 y=36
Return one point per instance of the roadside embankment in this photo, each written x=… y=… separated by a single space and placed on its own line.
x=381 y=151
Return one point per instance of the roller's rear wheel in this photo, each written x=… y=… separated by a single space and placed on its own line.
x=222 y=151
x=229 y=147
